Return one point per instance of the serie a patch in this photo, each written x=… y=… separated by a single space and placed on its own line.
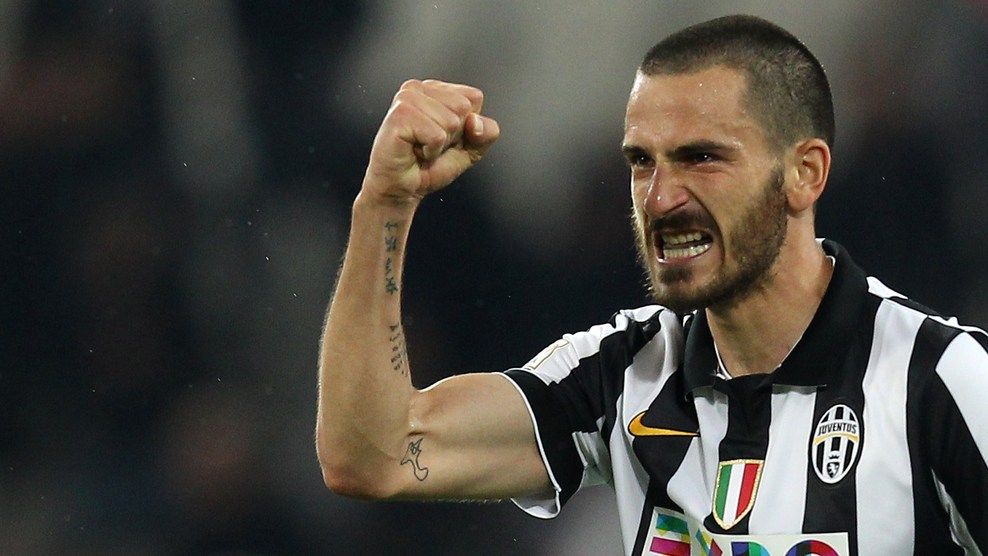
x=836 y=443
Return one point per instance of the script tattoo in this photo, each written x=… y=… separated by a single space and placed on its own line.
x=399 y=353
x=412 y=456
x=390 y=245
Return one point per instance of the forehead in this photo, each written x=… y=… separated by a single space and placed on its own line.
x=707 y=104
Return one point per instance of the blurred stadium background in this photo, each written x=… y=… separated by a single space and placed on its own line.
x=176 y=180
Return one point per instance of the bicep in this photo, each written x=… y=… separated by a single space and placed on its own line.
x=470 y=437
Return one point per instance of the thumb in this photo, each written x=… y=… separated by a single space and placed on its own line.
x=480 y=132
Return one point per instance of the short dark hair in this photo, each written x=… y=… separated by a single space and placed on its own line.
x=787 y=88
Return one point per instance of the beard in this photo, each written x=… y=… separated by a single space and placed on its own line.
x=749 y=250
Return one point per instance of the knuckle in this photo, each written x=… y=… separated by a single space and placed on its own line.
x=410 y=84
x=402 y=108
x=435 y=135
x=463 y=106
x=453 y=123
x=475 y=95
x=404 y=96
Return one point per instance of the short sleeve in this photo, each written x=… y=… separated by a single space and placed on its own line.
x=571 y=389
x=955 y=420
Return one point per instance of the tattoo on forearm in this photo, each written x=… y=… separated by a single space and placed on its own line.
x=412 y=457
x=390 y=245
x=399 y=353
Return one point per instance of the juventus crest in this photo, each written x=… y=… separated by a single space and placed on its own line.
x=836 y=440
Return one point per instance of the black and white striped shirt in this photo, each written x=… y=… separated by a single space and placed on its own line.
x=870 y=438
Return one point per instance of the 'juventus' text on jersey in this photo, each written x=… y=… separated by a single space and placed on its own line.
x=870 y=438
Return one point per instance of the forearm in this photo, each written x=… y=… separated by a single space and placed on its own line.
x=364 y=383
x=371 y=421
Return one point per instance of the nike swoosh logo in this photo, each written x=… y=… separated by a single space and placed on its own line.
x=636 y=428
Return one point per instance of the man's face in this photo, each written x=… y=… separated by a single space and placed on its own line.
x=709 y=208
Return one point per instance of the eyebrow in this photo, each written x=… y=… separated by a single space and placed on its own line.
x=631 y=150
x=682 y=151
x=695 y=147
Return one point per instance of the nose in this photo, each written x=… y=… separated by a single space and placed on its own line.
x=663 y=194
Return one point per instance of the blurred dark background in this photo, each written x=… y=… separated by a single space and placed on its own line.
x=176 y=179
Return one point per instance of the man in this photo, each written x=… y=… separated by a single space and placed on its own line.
x=776 y=400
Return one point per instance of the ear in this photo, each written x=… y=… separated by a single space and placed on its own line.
x=811 y=166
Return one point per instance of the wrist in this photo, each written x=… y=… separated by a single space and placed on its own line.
x=371 y=208
x=375 y=202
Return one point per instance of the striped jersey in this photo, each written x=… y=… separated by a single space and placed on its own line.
x=870 y=438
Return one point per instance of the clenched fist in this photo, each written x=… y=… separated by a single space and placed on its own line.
x=432 y=134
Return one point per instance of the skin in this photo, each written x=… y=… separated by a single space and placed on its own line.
x=701 y=162
x=467 y=437
x=470 y=436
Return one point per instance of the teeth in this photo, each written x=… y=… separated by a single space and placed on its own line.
x=677 y=239
x=683 y=252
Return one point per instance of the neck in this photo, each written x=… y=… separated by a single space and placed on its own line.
x=755 y=334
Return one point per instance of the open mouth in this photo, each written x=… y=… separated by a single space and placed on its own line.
x=683 y=245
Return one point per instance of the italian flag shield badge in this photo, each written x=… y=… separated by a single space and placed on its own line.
x=735 y=490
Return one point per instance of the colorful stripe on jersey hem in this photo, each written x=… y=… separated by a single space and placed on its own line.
x=706 y=543
x=670 y=536
x=735 y=490
x=672 y=533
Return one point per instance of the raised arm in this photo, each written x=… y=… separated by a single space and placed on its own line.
x=467 y=437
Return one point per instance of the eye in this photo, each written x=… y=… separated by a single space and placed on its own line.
x=701 y=158
x=638 y=160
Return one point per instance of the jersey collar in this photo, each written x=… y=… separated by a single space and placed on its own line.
x=815 y=361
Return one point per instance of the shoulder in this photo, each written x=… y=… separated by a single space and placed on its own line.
x=646 y=322
x=942 y=350
x=931 y=325
x=648 y=315
x=616 y=341
x=648 y=319
x=629 y=331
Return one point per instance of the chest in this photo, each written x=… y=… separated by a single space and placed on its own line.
x=749 y=457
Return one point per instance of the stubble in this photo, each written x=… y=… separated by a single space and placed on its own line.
x=750 y=251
